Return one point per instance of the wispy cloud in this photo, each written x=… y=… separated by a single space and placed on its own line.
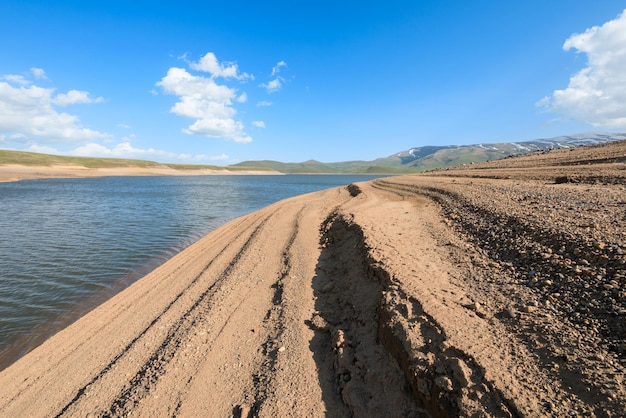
x=38 y=73
x=259 y=124
x=277 y=83
x=597 y=93
x=209 y=103
x=278 y=67
x=264 y=103
x=28 y=113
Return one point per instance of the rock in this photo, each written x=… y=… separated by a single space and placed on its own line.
x=319 y=323
x=510 y=313
x=462 y=373
x=444 y=383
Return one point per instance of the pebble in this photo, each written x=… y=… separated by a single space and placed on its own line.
x=511 y=313
x=529 y=308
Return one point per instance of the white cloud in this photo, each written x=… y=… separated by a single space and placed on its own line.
x=38 y=73
x=42 y=149
x=259 y=123
x=597 y=93
x=28 y=113
x=264 y=103
x=209 y=64
x=221 y=157
x=75 y=97
x=126 y=150
x=209 y=103
x=16 y=79
x=274 y=85
x=243 y=98
x=278 y=67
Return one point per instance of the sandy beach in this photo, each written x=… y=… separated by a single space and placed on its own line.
x=490 y=290
x=17 y=172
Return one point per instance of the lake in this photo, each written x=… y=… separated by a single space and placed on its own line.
x=67 y=245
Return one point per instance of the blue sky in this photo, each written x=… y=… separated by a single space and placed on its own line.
x=223 y=82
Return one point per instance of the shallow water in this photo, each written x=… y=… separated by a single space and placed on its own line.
x=66 y=245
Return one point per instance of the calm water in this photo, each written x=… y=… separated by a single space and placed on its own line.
x=66 y=245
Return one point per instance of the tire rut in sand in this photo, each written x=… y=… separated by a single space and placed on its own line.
x=147 y=376
x=359 y=377
x=275 y=321
x=388 y=356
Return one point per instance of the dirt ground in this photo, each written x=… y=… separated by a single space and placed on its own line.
x=495 y=289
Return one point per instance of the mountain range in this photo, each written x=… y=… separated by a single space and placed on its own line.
x=426 y=158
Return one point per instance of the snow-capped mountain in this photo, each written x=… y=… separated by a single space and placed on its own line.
x=429 y=157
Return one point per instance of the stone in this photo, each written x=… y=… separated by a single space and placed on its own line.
x=444 y=383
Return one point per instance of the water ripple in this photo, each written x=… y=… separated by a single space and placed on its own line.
x=66 y=245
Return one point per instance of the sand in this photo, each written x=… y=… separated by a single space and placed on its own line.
x=16 y=172
x=433 y=295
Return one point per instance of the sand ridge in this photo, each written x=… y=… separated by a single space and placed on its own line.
x=426 y=295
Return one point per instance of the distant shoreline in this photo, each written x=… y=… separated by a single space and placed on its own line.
x=18 y=172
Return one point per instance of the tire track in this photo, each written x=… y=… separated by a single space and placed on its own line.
x=219 y=234
x=266 y=370
x=154 y=366
x=378 y=331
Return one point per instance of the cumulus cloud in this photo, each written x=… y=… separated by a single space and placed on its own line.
x=29 y=113
x=274 y=85
x=209 y=64
x=259 y=123
x=264 y=103
x=597 y=93
x=126 y=150
x=75 y=97
x=209 y=103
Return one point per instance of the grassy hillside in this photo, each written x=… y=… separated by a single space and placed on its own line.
x=36 y=159
x=414 y=160
x=316 y=167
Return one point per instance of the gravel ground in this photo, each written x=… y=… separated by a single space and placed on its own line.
x=548 y=254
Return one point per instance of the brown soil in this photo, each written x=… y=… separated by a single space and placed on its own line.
x=490 y=290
